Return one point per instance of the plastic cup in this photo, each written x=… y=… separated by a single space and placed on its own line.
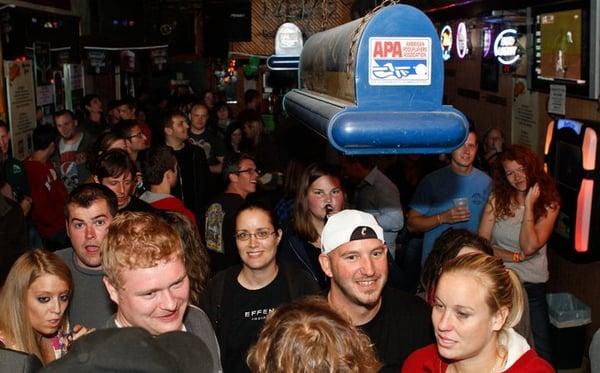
x=462 y=202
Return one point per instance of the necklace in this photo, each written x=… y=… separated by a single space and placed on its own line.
x=497 y=368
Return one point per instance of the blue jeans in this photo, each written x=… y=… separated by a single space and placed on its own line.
x=540 y=323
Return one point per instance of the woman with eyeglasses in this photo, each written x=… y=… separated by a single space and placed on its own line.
x=518 y=221
x=238 y=299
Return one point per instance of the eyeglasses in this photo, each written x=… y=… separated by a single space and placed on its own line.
x=252 y=171
x=139 y=134
x=259 y=235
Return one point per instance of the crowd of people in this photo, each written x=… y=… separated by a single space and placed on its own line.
x=206 y=231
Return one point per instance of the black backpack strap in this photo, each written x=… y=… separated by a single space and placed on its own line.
x=223 y=291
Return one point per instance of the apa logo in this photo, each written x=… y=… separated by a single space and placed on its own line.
x=387 y=48
x=399 y=61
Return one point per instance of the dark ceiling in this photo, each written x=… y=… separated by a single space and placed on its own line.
x=440 y=10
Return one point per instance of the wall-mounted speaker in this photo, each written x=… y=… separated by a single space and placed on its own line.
x=214 y=30
x=238 y=21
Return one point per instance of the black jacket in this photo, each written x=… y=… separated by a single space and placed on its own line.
x=194 y=187
x=297 y=251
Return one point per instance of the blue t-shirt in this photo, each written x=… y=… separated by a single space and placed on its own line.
x=435 y=195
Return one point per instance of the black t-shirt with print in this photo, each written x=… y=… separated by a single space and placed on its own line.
x=249 y=311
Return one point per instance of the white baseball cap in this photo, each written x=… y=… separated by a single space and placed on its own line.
x=349 y=225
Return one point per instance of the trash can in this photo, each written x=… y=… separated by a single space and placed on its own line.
x=568 y=319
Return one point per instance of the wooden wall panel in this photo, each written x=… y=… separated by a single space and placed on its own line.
x=311 y=16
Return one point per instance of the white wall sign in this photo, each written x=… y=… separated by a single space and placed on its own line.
x=557 y=99
x=399 y=61
x=524 y=118
x=462 y=43
x=21 y=106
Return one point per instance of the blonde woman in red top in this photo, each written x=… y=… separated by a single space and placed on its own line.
x=477 y=303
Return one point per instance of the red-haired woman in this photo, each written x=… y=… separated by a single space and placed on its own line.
x=518 y=220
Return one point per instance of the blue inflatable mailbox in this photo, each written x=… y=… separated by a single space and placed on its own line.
x=382 y=93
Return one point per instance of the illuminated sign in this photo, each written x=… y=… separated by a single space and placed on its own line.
x=462 y=45
x=446 y=40
x=571 y=124
x=487 y=42
x=506 y=48
x=288 y=47
x=288 y=40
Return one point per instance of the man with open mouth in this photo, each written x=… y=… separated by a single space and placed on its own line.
x=89 y=210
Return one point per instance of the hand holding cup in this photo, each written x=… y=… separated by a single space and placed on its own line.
x=460 y=212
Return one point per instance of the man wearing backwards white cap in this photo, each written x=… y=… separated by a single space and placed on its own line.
x=353 y=255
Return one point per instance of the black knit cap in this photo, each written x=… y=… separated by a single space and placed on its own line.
x=128 y=350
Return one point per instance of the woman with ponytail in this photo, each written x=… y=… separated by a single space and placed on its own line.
x=477 y=303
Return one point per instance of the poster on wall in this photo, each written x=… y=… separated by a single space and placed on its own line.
x=97 y=61
x=21 y=106
x=128 y=61
x=557 y=99
x=42 y=62
x=74 y=89
x=524 y=119
x=43 y=75
x=159 y=58
x=45 y=103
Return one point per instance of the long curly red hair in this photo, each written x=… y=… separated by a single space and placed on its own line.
x=505 y=194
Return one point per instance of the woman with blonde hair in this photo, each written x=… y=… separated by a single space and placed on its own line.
x=33 y=306
x=457 y=242
x=477 y=303
x=308 y=336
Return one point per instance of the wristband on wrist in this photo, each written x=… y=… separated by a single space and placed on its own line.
x=517 y=257
x=439 y=219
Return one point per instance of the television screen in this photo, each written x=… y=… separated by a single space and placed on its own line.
x=564 y=36
x=559 y=43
